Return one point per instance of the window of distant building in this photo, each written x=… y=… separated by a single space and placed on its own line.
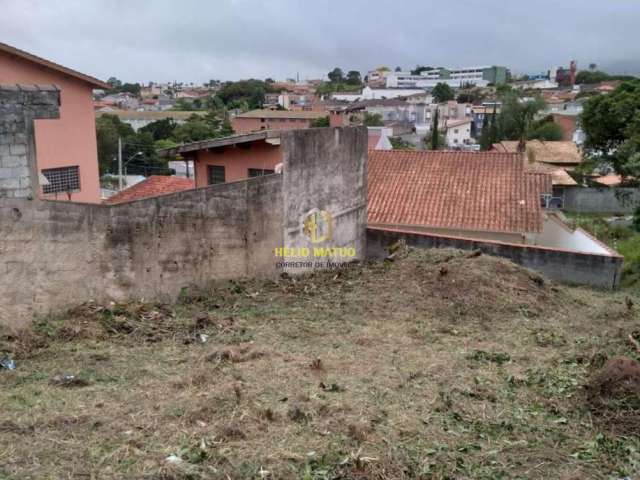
x=62 y=180
x=215 y=174
x=259 y=172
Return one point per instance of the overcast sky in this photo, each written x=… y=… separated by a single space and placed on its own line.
x=198 y=40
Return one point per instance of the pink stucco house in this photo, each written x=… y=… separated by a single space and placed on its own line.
x=66 y=148
x=233 y=158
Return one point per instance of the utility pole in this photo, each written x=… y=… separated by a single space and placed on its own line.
x=119 y=163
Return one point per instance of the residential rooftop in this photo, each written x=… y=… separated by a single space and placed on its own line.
x=282 y=114
x=271 y=136
x=150 y=114
x=561 y=152
x=16 y=52
x=486 y=191
x=153 y=186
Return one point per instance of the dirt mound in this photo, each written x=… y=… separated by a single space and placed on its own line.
x=460 y=284
x=614 y=395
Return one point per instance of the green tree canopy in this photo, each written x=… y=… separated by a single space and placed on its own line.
x=160 y=129
x=354 y=78
x=596 y=76
x=516 y=119
x=612 y=127
x=249 y=93
x=442 y=92
x=320 y=122
x=201 y=127
x=336 y=75
x=419 y=69
x=546 y=129
x=435 y=132
x=372 y=120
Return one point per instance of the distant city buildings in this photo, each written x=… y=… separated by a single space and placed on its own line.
x=455 y=78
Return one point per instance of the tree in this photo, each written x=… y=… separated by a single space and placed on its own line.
x=516 y=118
x=160 y=129
x=353 y=78
x=442 y=92
x=485 y=140
x=547 y=130
x=114 y=82
x=596 y=76
x=336 y=75
x=494 y=133
x=320 y=122
x=471 y=95
x=419 y=69
x=400 y=144
x=398 y=69
x=612 y=127
x=593 y=67
x=244 y=93
x=201 y=127
x=109 y=128
x=372 y=120
x=435 y=132
x=132 y=88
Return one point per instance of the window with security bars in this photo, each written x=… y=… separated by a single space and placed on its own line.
x=216 y=174
x=61 y=180
x=259 y=172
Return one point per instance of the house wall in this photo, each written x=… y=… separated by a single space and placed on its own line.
x=602 y=271
x=459 y=135
x=247 y=125
x=237 y=160
x=555 y=234
x=601 y=200
x=69 y=140
x=452 y=232
x=568 y=124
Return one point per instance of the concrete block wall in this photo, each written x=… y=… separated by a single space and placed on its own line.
x=19 y=106
x=602 y=271
x=325 y=170
x=57 y=254
x=601 y=200
x=54 y=255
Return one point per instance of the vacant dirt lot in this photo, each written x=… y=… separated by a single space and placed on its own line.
x=437 y=365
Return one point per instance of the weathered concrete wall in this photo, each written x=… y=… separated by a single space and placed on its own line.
x=601 y=271
x=601 y=200
x=325 y=169
x=57 y=254
x=19 y=106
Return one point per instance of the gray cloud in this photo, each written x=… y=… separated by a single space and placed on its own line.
x=196 y=40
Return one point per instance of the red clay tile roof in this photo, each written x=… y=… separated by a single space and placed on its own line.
x=486 y=191
x=153 y=186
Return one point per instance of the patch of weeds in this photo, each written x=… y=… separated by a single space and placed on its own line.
x=560 y=381
x=499 y=358
x=548 y=338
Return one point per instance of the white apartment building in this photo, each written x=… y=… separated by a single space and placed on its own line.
x=455 y=77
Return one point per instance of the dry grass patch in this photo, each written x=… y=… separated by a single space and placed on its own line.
x=440 y=364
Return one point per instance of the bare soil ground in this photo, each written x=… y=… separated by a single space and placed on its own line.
x=439 y=365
